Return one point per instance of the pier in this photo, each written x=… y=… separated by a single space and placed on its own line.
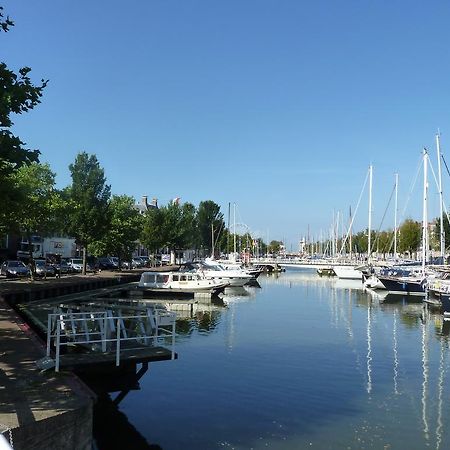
x=41 y=408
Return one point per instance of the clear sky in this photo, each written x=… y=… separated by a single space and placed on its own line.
x=278 y=106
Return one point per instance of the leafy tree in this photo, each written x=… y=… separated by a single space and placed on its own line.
x=89 y=197
x=123 y=231
x=437 y=232
x=39 y=201
x=209 y=218
x=178 y=223
x=152 y=235
x=384 y=241
x=17 y=95
x=275 y=246
x=171 y=226
x=410 y=235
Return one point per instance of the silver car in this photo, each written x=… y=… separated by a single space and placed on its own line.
x=14 y=269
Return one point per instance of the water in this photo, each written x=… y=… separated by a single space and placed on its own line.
x=303 y=362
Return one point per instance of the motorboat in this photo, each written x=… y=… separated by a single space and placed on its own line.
x=234 y=277
x=255 y=272
x=180 y=282
x=348 y=272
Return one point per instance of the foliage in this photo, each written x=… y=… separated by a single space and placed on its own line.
x=171 y=226
x=437 y=232
x=17 y=95
x=123 y=231
x=275 y=246
x=410 y=236
x=152 y=235
x=209 y=218
x=178 y=223
x=38 y=200
x=89 y=195
x=384 y=242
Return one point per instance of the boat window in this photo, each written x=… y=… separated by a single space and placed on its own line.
x=159 y=278
x=150 y=278
x=165 y=278
x=183 y=278
x=175 y=277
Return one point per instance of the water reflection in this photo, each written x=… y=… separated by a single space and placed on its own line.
x=302 y=362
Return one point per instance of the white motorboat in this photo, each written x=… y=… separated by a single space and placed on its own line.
x=234 y=277
x=347 y=272
x=180 y=282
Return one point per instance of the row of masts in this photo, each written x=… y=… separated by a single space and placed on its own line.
x=332 y=246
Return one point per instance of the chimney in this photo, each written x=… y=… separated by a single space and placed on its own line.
x=154 y=202
x=144 y=201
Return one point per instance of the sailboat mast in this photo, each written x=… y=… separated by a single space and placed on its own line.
x=425 y=212
x=395 y=216
x=234 y=228
x=228 y=234
x=369 y=243
x=212 y=240
x=350 y=225
x=442 y=233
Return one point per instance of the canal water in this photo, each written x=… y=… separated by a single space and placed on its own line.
x=301 y=362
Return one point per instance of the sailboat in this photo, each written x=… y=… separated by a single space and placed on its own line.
x=406 y=282
x=350 y=272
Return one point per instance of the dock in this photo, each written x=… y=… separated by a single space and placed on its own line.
x=39 y=410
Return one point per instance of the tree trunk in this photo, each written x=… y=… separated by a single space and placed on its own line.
x=31 y=264
x=84 y=260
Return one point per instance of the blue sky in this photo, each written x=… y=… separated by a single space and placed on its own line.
x=278 y=106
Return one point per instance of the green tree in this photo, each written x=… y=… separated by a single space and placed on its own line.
x=209 y=221
x=89 y=197
x=437 y=232
x=153 y=233
x=384 y=242
x=17 y=95
x=171 y=226
x=178 y=223
x=39 y=201
x=410 y=235
x=275 y=246
x=124 y=229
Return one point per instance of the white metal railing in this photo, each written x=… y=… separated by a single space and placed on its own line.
x=102 y=329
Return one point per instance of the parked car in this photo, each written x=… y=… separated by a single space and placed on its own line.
x=137 y=262
x=76 y=264
x=115 y=261
x=43 y=269
x=145 y=260
x=14 y=269
x=62 y=267
x=106 y=264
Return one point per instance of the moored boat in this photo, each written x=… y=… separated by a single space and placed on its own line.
x=179 y=283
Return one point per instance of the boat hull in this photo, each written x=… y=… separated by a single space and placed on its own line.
x=403 y=286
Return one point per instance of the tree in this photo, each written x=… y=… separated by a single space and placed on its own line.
x=275 y=246
x=123 y=231
x=410 y=235
x=178 y=226
x=89 y=197
x=152 y=235
x=17 y=95
x=437 y=232
x=171 y=226
x=38 y=201
x=209 y=221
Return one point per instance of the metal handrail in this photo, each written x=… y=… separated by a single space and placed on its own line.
x=158 y=320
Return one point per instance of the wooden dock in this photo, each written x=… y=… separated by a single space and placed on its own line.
x=95 y=360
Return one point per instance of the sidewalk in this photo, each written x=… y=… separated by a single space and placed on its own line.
x=43 y=410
